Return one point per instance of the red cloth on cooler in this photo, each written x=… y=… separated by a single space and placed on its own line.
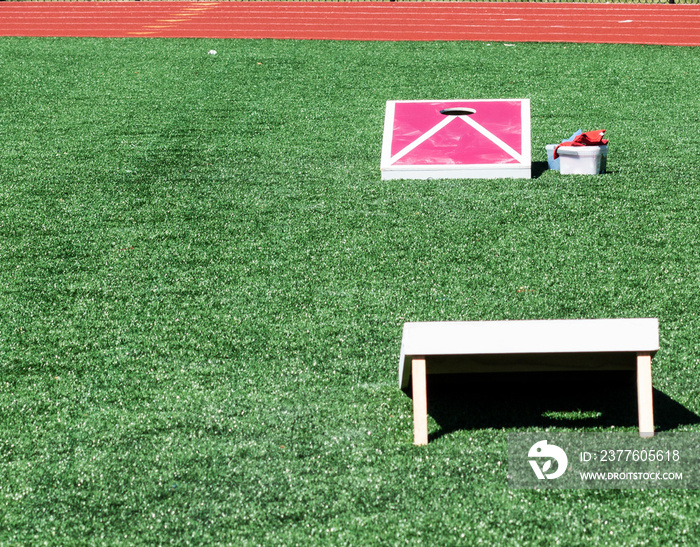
x=590 y=138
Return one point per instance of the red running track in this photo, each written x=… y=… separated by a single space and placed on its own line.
x=677 y=25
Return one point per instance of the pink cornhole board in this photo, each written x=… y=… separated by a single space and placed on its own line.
x=422 y=143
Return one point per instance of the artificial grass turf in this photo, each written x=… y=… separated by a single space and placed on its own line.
x=204 y=282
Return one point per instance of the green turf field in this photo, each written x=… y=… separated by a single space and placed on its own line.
x=204 y=282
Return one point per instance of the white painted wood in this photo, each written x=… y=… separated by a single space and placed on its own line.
x=538 y=336
x=388 y=135
x=427 y=172
x=645 y=405
x=525 y=122
x=639 y=337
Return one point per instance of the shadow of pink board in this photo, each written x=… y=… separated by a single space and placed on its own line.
x=473 y=139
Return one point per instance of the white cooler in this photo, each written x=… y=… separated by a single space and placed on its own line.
x=582 y=160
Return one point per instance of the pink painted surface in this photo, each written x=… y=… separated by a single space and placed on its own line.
x=457 y=143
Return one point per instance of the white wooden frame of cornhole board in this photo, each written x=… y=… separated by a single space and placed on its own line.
x=539 y=345
x=456 y=139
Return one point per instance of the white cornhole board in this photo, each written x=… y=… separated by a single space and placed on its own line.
x=420 y=142
x=514 y=346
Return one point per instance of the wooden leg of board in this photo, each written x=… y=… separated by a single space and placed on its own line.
x=420 y=402
x=644 y=395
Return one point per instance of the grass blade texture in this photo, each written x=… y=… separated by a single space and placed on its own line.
x=204 y=282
